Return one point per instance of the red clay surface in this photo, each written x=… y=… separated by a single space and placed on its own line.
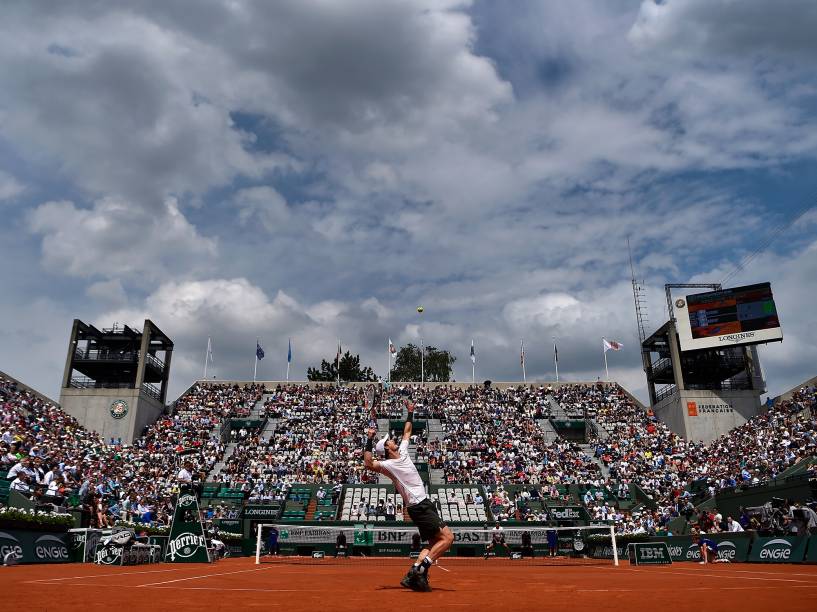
x=235 y=584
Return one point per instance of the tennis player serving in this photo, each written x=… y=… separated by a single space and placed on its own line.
x=397 y=465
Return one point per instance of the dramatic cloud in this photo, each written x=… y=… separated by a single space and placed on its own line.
x=116 y=239
x=751 y=27
x=316 y=170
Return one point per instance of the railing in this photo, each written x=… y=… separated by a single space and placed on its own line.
x=83 y=382
x=127 y=356
x=97 y=355
x=152 y=390
x=660 y=366
x=664 y=393
x=726 y=385
x=155 y=362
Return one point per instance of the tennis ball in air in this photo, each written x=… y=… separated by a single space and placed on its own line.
x=420 y=309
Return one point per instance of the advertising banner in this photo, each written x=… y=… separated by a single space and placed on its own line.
x=567 y=513
x=649 y=553
x=186 y=543
x=262 y=512
x=811 y=553
x=733 y=547
x=83 y=543
x=778 y=550
x=35 y=546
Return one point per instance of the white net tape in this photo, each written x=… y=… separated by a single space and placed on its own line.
x=275 y=542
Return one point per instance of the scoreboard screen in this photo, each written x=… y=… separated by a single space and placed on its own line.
x=741 y=315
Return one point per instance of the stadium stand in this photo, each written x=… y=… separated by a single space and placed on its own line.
x=459 y=503
x=489 y=444
x=372 y=503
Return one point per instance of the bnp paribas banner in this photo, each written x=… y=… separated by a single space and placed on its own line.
x=778 y=550
x=186 y=543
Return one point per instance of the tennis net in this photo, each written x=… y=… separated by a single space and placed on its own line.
x=541 y=545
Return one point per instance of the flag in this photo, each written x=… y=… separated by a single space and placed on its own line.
x=259 y=352
x=522 y=355
x=555 y=353
x=611 y=345
x=392 y=348
x=339 y=353
x=289 y=352
x=473 y=355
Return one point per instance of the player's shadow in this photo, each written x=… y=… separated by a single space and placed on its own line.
x=399 y=588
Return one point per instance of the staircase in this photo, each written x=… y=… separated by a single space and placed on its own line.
x=550 y=434
x=590 y=450
x=382 y=430
x=269 y=428
x=258 y=408
x=310 y=509
x=228 y=452
x=601 y=433
x=556 y=409
x=435 y=432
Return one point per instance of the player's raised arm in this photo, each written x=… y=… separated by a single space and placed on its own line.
x=409 y=419
x=368 y=460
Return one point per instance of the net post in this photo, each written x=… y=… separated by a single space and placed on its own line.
x=258 y=545
x=613 y=543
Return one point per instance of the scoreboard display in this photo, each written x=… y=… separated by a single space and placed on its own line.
x=740 y=315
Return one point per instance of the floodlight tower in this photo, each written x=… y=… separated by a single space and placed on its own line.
x=115 y=380
x=705 y=379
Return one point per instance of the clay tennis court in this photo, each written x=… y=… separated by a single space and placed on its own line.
x=234 y=584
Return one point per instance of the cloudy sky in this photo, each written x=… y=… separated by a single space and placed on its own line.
x=317 y=169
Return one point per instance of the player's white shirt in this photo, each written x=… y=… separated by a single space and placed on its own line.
x=404 y=475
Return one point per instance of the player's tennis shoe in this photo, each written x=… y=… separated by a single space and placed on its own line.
x=420 y=583
x=408 y=579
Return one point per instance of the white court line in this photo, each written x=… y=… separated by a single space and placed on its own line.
x=183 y=588
x=712 y=588
x=262 y=569
x=699 y=573
x=693 y=568
x=176 y=569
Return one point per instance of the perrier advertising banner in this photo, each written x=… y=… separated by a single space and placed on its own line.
x=186 y=543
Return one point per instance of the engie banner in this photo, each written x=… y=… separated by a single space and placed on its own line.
x=731 y=546
x=35 y=546
x=778 y=550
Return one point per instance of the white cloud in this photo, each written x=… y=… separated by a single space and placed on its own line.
x=116 y=239
x=263 y=204
x=749 y=27
x=9 y=186
x=403 y=153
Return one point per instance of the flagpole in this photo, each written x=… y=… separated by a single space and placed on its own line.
x=606 y=371
x=289 y=356
x=524 y=375
x=255 y=369
x=338 y=362
x=206 y=358
x=422 y=362
x=388 y=361
x=473 y=362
